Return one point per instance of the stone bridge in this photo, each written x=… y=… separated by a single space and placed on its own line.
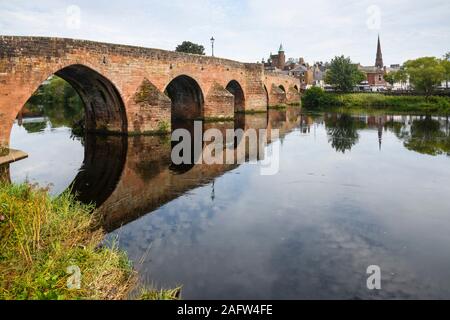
x=132 y=90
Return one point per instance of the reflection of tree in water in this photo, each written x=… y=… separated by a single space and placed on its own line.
x=427 y=137
x=342 y=131
x=58 y=101
x=398 y=128
x=34 y=127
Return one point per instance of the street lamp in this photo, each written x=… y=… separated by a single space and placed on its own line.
x=212 y=45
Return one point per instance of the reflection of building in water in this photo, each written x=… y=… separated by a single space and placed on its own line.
x=285 y=121
x=306 y=122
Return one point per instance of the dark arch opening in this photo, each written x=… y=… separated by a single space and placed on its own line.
x=104 y=160
x=105 y=110
x=187 y=98
x=239 y=98
x=282 y=88
x=296 y=88
x=76 y=100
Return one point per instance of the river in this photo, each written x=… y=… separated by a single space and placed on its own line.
x=352 y=191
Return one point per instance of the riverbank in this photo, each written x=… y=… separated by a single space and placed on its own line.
x=315 y=99
x=52 y=249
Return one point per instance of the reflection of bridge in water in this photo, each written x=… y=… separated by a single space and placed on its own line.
x=147 y=179
x=127 y=177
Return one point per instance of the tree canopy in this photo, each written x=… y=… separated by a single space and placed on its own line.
x=343 y=74
x=425 y=74
x=189 y=47
x=391 y=77
x=446 y=66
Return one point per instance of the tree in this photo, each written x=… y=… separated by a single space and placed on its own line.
x=342 y=131
x=313 y=97
x=446 y=66
x=401 y=77
x=189 y=47
x=343 y=74
x=447 y=56
x=425 y=74
x=427 y=137
x=391 y=78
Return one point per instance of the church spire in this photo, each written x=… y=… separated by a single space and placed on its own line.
x=379 y=62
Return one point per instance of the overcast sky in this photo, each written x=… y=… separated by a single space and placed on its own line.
x=246 y=30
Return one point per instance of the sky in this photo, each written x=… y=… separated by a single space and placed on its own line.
x=246 y=30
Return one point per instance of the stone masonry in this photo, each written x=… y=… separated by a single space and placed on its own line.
x=130 y=89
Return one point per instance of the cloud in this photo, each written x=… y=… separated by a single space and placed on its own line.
x=247 y=30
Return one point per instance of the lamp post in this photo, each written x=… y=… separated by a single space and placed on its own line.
x=212 y=45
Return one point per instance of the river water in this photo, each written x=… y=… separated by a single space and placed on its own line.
x=352 y=191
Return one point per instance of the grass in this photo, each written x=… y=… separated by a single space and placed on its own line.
x=280 y=107
x=173 y=294
x=41 y=237
x=395 y=103
x=370 y=101
x=252 y=111
x=218 y=119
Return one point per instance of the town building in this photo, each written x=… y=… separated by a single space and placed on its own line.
x=304 y=73
x=277 y=61
x=375 y=74
x=308 y=75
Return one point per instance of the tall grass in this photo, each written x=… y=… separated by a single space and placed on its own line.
x=40 y=237
x=323 y=100
x=395 y=103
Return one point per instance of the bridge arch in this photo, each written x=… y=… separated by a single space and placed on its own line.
x=236 y=90
x=282 y=88
x=104 y=107
x=187 y=98
x=103 y=104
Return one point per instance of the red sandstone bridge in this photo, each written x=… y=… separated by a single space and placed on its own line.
x=135 y=90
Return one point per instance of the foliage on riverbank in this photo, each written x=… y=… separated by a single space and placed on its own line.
x=41 y=237
x=316 y=98
x=57 y=100
x=4 y=151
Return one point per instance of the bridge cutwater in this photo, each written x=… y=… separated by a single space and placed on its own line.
x=133 y=90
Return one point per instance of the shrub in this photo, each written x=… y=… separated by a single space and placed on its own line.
x=312 y=97
x=164 y=127
x=3 y=151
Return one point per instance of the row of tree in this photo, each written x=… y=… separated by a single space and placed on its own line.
x=425 y=135
x=424 y=74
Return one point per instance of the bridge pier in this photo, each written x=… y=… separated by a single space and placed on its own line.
x=277 y=96
x=219 y=103
x=149 y=110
